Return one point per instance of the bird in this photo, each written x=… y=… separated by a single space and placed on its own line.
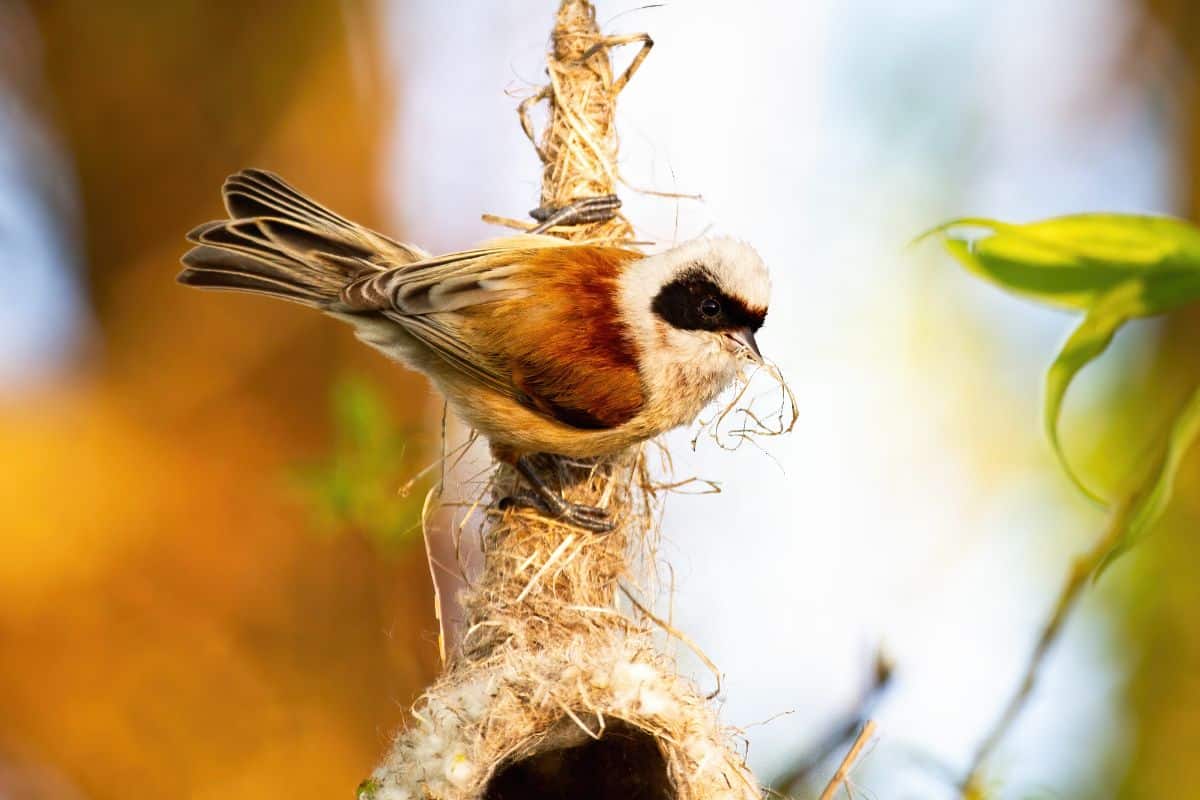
x=546 y=347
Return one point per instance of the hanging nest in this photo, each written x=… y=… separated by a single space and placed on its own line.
x=554 y=692
x=559 y=686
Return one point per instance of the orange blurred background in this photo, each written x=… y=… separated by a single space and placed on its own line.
x=172 y=621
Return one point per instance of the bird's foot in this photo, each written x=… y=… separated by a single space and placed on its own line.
x=553 y=504
x=590 y=518
x=579 y=212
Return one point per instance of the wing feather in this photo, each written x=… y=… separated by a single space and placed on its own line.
x=561 y=354
x=428 y=297
x=446 y=342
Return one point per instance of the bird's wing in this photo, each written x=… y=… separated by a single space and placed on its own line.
x=449 y=282
x=443 y=338
x=552 y=341
x=427 y=297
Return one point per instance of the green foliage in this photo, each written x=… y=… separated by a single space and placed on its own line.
x=1113 y=268
x=1157 y=492
x=368 y=789
x=1087 y=343
x=1072 y=262
x=357 y=486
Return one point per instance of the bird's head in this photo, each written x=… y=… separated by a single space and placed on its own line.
x=695 y=310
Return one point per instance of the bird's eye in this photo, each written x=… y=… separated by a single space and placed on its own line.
x=710 y=307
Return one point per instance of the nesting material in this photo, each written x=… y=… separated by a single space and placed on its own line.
x=610 y=706
x=579 y=146
x=559 y=687
x=554 y=689
x=741 y=417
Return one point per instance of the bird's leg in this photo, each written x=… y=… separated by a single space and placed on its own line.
x=553 y=504
x=579 y=212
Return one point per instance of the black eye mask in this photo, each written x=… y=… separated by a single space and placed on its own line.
x=694 y=302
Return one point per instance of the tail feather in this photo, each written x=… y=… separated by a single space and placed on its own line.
x=282 y=243
x=243 y=282
x=258 y=193
x=213 y=267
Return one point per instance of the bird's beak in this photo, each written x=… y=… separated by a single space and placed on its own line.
x=744 y=337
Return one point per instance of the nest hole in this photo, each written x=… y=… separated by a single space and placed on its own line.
x=625 y=763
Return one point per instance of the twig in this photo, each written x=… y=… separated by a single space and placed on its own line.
x=843 y=771
x=1083 y=567
x=843 y=731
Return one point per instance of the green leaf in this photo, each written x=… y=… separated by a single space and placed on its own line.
x=1073 y=261
x=355 y=485
x=1160 y=484
x=1114 y=268
x=1085 y=345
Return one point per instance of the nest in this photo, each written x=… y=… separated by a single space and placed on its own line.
x=553 y=690
x=559 y=686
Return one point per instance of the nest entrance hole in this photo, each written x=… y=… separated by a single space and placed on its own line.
x=625 y=763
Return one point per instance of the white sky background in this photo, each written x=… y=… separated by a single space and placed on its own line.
x=911 y=505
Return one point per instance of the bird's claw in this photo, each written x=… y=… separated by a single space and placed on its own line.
x=590 y=518
x=579 y=212
x=551 y=503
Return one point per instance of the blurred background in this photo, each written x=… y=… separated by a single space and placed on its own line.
x=209 y=584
